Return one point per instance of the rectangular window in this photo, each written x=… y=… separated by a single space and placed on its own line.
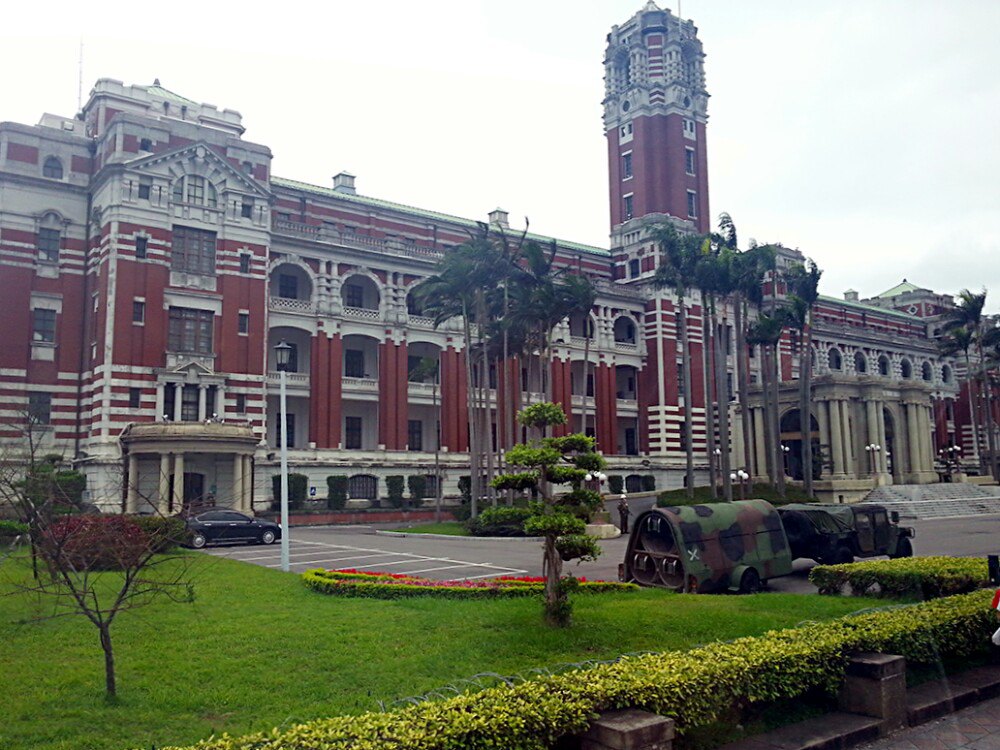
x=145 y=144
x=415 y=435
x=244 y=323
x=628 y=206
x=145 y=188
x=680 y=379
x=246 y=210
x=244 y=262
x=352 y=433
x=689 y=160
x=730 y=391
x=692 y=204
x=141 y=245
x=354 y=295
x=590 y=384
x=134 y=397
x=354 y=363
x=40 y=408
x=138 y=311
x=290 y=426
x=195 y=189
x=626 y=166
x=48 y=245
x=288 y=286
x=241 y=403
x=189 y=403
x=190 y=330
x=193 y=251
x=43 y=326
x=633 y=268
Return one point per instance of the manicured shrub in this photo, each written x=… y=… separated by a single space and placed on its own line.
x=298 y=488
x=417 y=485
x=695 y=688
x=95 y=543
x=464 y=510
x=394 y=486
x=164 y=532
x=374 y=585
x=11 y=530
x=336 y=492
x=500 y=521
x=648 y=483
x=921 y=577
x=616 y=483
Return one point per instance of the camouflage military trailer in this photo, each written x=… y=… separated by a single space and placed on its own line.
x=833 y=534
x=710 y=547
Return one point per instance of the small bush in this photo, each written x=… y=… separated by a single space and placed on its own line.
x=394 y=486
x=500 y=521
x=417 y=485
x=164 y=532
x=616 y=483
x=921 y=577
x=298 y=488
x=648 y=483
x=336 y=492
x=11 y=530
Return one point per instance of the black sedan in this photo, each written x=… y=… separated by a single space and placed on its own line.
x=225 y=526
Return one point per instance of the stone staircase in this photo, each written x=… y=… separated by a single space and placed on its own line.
x=919 y=501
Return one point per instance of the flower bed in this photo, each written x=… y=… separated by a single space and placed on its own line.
x=695 y=687
x=376 y=585
x=923 y=577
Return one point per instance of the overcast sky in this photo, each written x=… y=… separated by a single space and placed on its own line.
x=867 y=134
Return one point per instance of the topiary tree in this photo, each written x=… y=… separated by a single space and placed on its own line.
x=616 y=483
x=417 y=484
x=336 y=492
x=394 y=486
x=298 y=488
x=559 y=519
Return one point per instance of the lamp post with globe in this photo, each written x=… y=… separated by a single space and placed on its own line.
x=282 y=354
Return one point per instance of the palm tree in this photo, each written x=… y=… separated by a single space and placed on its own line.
x=804 y=285
x=957 y=340
x=969 y=314
x=679 y=256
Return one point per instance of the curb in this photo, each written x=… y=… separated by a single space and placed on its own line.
x=453 y=537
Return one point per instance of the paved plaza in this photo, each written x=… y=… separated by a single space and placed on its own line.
x=973 y=728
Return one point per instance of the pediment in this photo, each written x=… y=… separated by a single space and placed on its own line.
x=198 y=158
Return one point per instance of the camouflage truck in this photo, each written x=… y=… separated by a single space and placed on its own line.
x=833 y=534
x=706 y=548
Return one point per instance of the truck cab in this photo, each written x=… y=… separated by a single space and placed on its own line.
x=834 y=534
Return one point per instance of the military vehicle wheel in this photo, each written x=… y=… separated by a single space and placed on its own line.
x=842 y=556
x=903 y=548
x=750 y=582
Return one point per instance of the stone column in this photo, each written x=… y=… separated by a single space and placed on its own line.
x=883 y=462
x=913 y=438
x=160 y=402
x=837 y=440
x=759 y=444
x=178 y=498
x=178 y=398
x=248 y=484
x=132 y=488
x=927 y=443
x=163 y=499
x=202 y=402
x=238 y=482
x=220 y=399
x=823 y=417
x=847 y=436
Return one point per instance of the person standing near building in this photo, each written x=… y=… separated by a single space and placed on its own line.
x=623 y=513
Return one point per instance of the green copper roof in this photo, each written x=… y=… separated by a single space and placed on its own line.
x=157 y=89
x=366 y=201
x=869 y=308
x=901 y=288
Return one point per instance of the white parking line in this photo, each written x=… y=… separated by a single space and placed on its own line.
x=338 y=559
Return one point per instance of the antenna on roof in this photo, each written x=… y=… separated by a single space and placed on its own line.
x=79 y=81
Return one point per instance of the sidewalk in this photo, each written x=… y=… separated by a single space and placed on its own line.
x=973 y=728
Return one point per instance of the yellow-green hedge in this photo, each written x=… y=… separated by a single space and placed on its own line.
x=923 y=577
x=694 y=687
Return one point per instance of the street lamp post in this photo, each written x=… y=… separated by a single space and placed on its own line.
x=785 y=450
x=872 y=450
x=741 y=477
x=282 y=353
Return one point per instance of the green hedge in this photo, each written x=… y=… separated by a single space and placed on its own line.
x=362 y=586
x=336 y=492
x=924 y=577
x=165 y=532
x=298 y=488
x=500 y=521
x=695 y=687
x=417 y=485
x=10 y=530
x=616 y=483
x=394 y=488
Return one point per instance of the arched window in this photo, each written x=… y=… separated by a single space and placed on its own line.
x=906 y=369
x=927 y=371
x=195 y=190
x=883 y=366
x=860 y=363
x=52 y=168
x=835 y=360
x=946 y=374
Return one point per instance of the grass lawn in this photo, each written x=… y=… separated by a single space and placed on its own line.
x=257 y=650
x=449 y=528
x=793 y=494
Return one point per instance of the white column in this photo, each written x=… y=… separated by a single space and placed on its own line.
x=178 y=398
x=238 y=496
x=927 y=439
x=248 y=484
x=202 y=402
x=913 y=437
x=883 y=462
x=178 y=498
x=132 y=489
x=160 y=401
x=759 y=444
x=163 y=499
x=847 y=437
x=220 y=401
x=823 y=419
x=836 y=440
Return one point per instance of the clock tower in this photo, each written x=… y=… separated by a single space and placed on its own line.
x=655 y=110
